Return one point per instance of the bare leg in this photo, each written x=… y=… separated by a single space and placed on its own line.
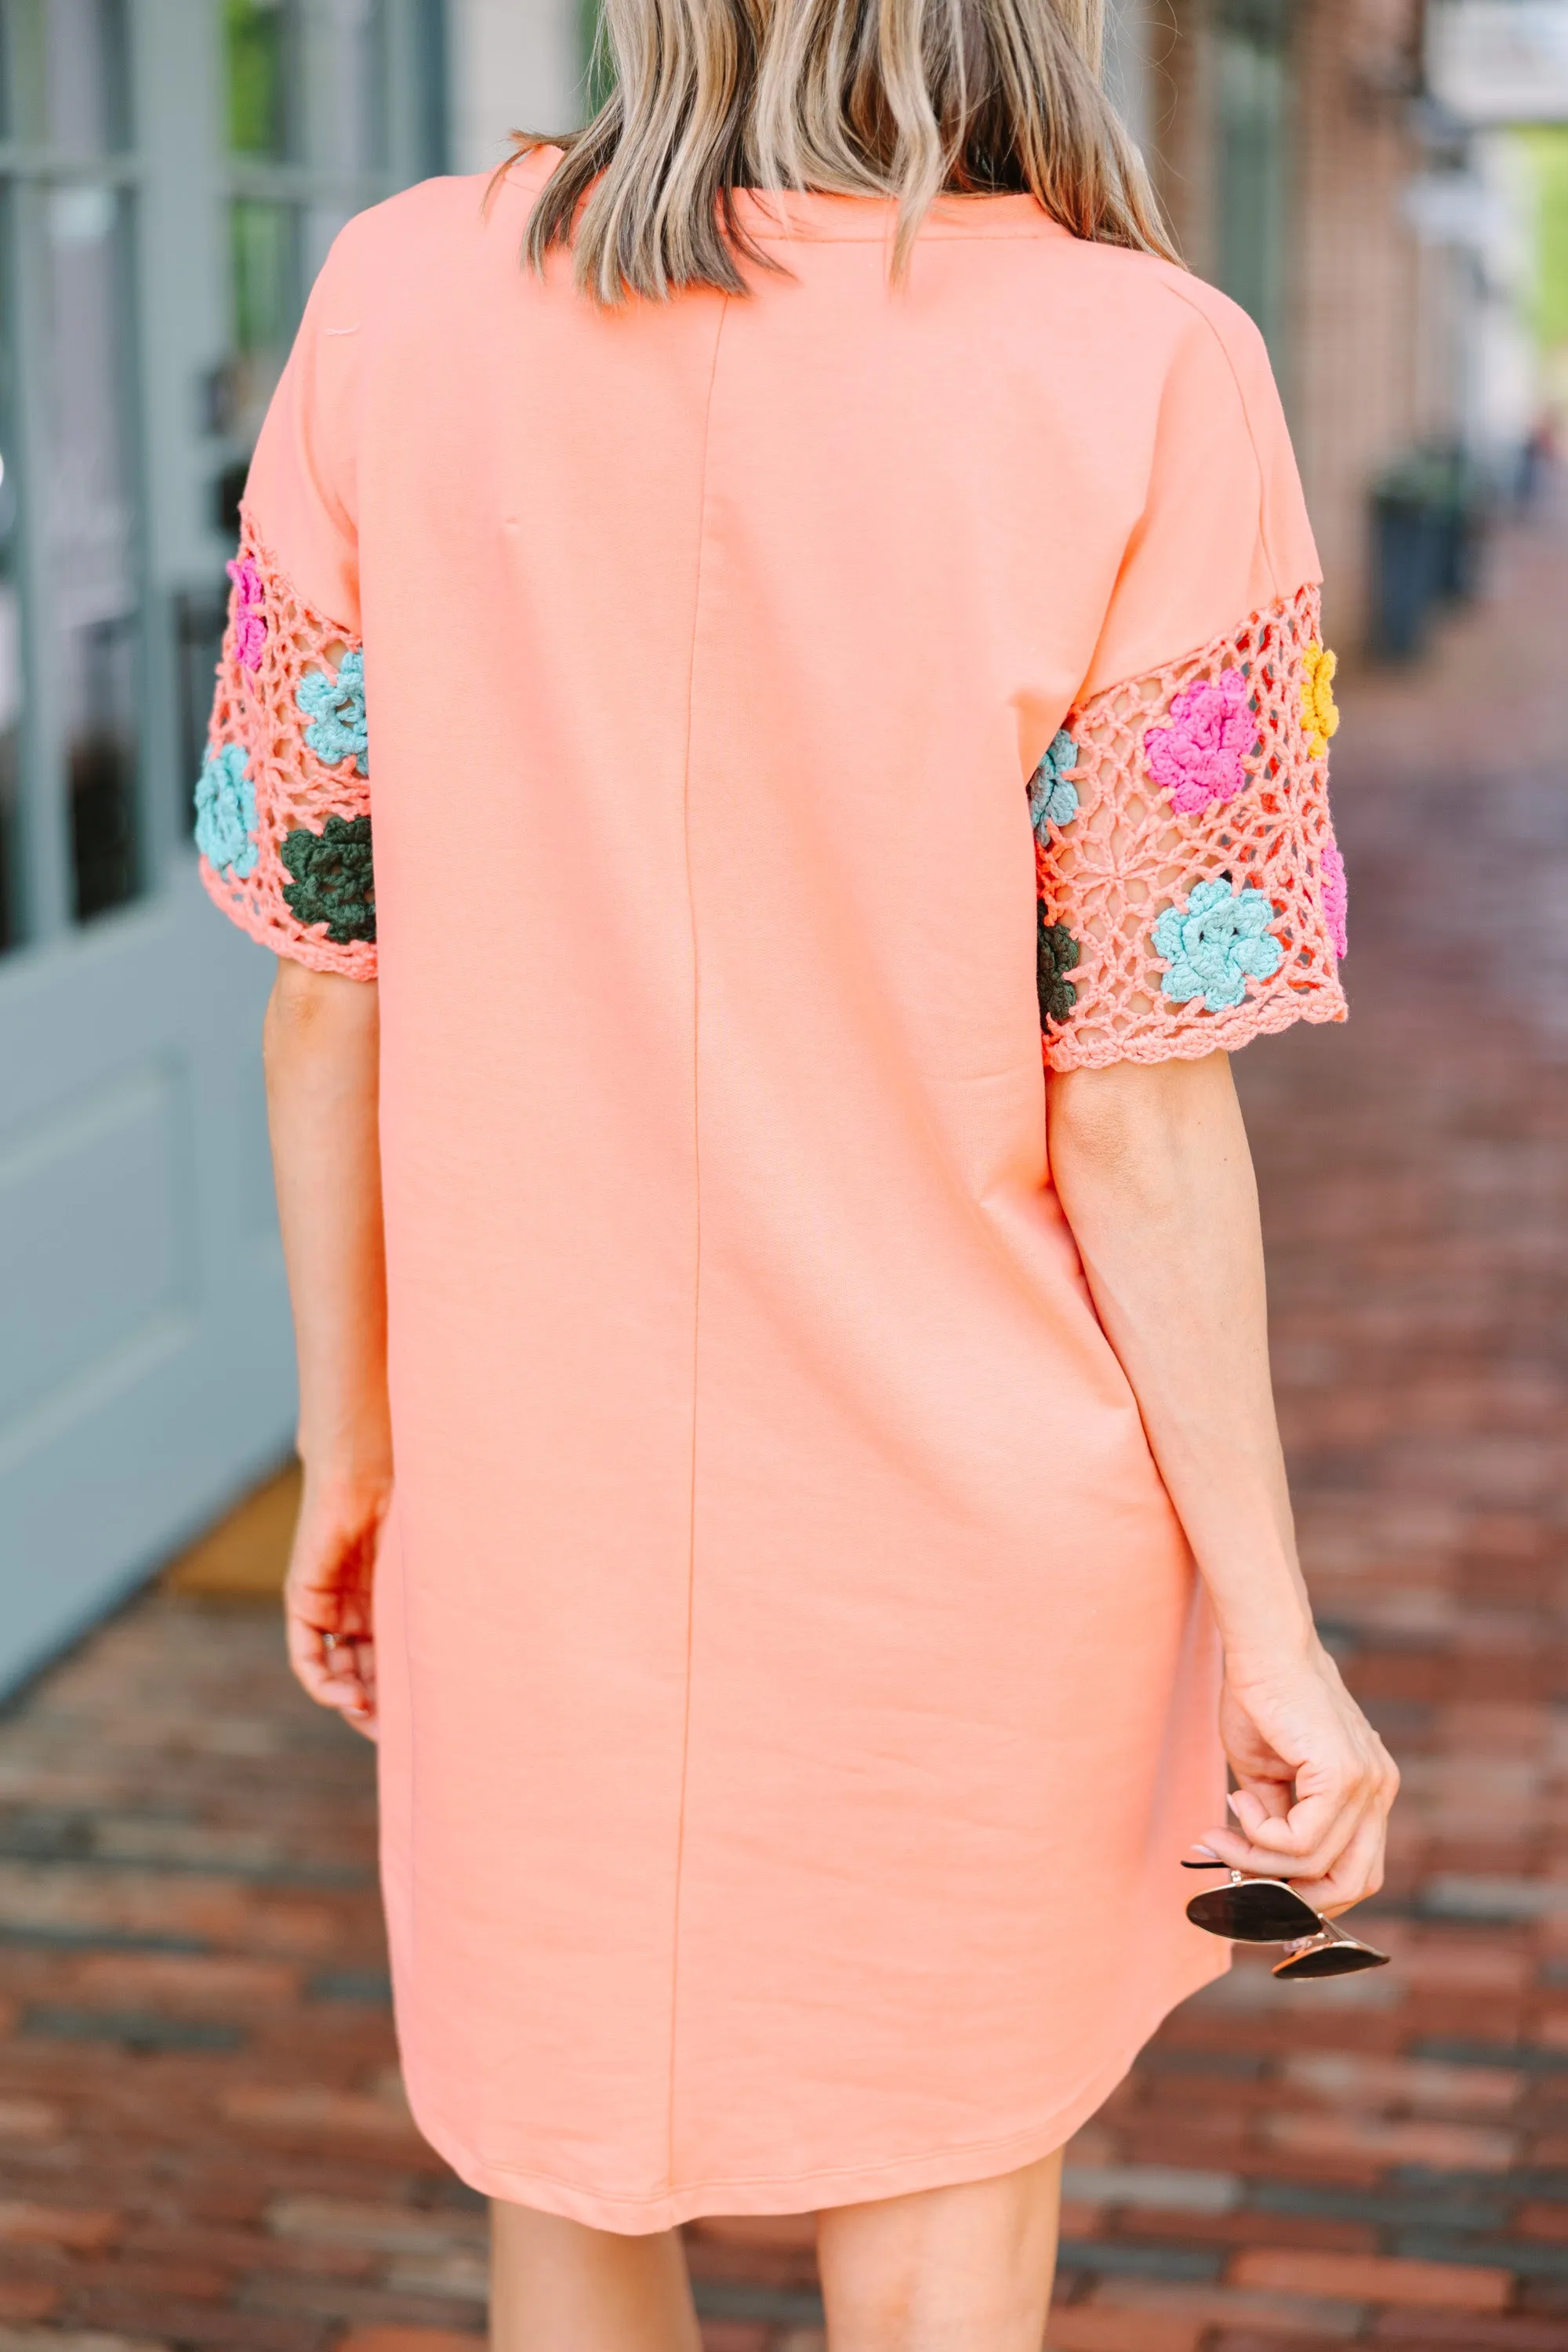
x=559 y=2287
x=969 y=2266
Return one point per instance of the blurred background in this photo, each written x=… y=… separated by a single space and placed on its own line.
x=202 y=2140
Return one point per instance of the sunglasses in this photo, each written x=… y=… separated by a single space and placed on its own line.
x=1269 y=1911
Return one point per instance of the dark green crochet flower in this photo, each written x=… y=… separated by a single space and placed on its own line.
x=1057 y=953
x=334 y=882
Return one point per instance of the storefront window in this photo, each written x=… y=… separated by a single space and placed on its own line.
x=83 y=75
x=316 y=108
x=261 y=41
x=264 y=281
x=87 y=523
x=11 y=670
x=71 y=607
x=1253 y=88
x=306 y=111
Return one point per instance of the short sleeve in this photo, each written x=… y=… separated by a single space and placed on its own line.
x=1191 y=895
x=283 y=803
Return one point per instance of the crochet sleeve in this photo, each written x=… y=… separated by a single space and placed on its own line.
x=283 y=803
x=1191 y=896
x=283 y=818
x=1189 y=893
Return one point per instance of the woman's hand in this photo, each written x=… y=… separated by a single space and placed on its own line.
x=327 y=1597
x=1314 y=1781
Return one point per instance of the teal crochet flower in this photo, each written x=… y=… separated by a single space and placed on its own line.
x=336 y=706
x=1052 y=800
x=226 y=813
x=1215 y=943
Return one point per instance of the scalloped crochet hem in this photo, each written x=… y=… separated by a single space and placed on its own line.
x=634 y=2215
x=1268 y=1017
x=357 y=960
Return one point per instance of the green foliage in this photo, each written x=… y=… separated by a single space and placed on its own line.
x=258 y=39
x=598 y=80
x=1546 y=145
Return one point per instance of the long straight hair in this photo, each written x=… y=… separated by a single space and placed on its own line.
x=901 y=98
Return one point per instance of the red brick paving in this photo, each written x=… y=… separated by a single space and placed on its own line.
x=202 y=2140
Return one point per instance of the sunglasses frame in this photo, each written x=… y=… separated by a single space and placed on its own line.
x=1325 y=1937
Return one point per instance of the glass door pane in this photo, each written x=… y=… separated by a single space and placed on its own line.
x=65 y=74
x=84 y=75
x=1253 y=89
x=86 y=517
x=264 y=259
x=355 y=33
x=12 y=669
x=261 y=40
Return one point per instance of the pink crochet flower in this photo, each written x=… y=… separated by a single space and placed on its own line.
x=1197 y=756
x=250 y=620
x=1336 y=896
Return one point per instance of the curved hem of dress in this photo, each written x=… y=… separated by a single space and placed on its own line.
x=813 y=2191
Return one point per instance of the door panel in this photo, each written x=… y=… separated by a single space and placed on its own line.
x=91 y=1249
x=145 y=1355
x=146 y=1367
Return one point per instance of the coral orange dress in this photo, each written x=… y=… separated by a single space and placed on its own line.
x=736 y=733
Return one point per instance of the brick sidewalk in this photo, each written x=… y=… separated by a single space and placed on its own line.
x=202 y=2142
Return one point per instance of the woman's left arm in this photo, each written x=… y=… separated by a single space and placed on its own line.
x=1152 y=1169
x=320 y=1044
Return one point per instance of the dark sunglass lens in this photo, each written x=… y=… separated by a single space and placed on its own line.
x=1258 y=1911
x=1332 y=1960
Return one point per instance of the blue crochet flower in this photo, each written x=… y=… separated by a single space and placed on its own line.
x=1052 y=800
x=1215 y=943
x=226 y=813
x=336 y=706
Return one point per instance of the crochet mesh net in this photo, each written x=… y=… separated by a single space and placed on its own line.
x=258 y=709
x=1125 y=856
x=1106 y=875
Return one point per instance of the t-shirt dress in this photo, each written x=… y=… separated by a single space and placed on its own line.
x=754 y=743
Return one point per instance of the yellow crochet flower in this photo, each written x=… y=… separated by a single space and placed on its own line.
x=1319 y=715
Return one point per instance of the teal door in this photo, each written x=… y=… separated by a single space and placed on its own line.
x=171 y=173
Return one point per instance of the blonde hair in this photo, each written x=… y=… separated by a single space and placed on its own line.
x=901 y=99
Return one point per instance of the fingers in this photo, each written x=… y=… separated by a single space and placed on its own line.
x=1315 y=1785
x=1331 y=1840
x=1256 y=1802
x=1314 y=1832
x=1305 y=1831
x=331 y=1648
x=1357 y=1873
x=337 y=1672
x=328 y=1605
x=1342 y=1865
x=1238 y=1852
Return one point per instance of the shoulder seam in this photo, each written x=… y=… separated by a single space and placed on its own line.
x=1180 y=295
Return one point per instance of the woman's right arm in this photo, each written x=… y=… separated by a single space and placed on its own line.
x=320 y=1044
x=1152 y=1166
